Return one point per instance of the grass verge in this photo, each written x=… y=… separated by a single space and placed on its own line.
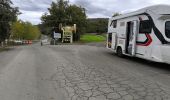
x=86 y=38
x=4 y=49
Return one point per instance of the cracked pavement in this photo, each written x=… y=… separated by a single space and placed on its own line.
x=86 y=83
x=80 y=72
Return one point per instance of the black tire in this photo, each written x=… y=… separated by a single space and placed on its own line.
x=119 y=52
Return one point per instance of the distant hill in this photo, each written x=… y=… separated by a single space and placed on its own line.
x=97 y=19
x=97 y=25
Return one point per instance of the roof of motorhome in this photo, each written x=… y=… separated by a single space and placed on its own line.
x=157 y=9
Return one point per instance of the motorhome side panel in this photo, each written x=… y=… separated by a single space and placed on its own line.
x=152 y=39
x=121 y=34
x=148 y=42
x=142 y=50
x=144 y=39
x=116 y=34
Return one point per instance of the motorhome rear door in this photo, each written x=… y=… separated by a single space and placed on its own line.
x=133 y=37
x=114 y=40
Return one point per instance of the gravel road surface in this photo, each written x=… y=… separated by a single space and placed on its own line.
x=79 y=72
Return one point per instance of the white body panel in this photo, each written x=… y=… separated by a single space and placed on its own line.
x=153 y=46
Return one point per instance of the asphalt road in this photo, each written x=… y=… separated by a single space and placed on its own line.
x=79 y=72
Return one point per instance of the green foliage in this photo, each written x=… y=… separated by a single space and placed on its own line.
x=25 y=31
x=77 y=16
x=116 y=14
x=4 y=49
x=44 y=29
x=57 y=14
x=92 y=38
x=8 y=14
x=97 y=25
x=17 y=30
x=62 y=12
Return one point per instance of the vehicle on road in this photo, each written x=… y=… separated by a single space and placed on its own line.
x=45 y=42
x=18 y=42
x=144 y=33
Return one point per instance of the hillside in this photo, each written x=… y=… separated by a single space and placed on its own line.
x=97 y=25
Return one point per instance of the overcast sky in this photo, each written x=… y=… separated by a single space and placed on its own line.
x=32 y=10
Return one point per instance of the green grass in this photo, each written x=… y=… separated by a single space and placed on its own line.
x=92 y=38
x=4 y=49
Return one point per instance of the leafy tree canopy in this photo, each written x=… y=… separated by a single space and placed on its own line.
x=116 y=14
x=97 y=25
x=62 y=12
x=24 y=31
x=8 y=14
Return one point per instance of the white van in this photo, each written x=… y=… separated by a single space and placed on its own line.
x=144 y=33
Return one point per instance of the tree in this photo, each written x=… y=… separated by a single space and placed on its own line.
x=97 y=25
x=8 y=14
x=57 y=14
x=116 y=14
x=77 y=15
x=44 y=29
x=25 y=31
x=62 y=12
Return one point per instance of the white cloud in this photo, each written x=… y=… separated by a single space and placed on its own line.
x=32 y=16
x=33 y=9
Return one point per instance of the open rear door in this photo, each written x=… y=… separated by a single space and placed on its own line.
x=114 y=41
x=133 y=37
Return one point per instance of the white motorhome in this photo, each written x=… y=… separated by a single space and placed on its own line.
x=144 y=33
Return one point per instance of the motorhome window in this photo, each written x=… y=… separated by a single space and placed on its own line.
x=167 y=29
x=114 y=23
x=122 y=23
x=145 y=26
